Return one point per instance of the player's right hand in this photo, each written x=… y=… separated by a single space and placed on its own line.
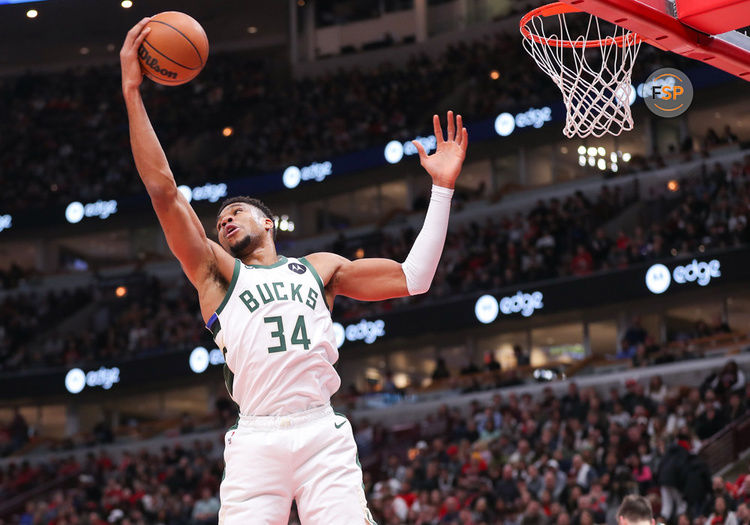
x=132 y=75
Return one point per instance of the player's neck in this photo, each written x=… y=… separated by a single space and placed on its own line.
x=262 y=256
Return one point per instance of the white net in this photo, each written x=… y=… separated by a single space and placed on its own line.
x=593 y=70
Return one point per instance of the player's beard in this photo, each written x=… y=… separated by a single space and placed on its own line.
x=242 y=246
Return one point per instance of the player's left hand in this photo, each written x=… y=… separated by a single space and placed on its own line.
x=445 y=164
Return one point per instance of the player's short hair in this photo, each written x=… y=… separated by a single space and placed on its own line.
x=635 y=508
x=256 y=203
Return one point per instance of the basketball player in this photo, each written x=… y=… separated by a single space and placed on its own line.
x=635 y=510
x=271 y=317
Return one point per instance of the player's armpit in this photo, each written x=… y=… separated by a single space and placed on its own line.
x=362 y=279
x=187 y=239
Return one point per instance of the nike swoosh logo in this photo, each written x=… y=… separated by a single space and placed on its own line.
x=340 y=424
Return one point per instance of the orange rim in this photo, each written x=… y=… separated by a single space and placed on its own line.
x=560 y=8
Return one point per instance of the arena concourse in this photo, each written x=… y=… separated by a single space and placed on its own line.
x=586 y=335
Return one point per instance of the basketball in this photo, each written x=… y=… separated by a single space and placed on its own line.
x=175 y=50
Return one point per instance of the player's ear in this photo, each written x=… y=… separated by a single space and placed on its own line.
x=268 y=224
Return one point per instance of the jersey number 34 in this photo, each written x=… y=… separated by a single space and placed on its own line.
x=299 y=334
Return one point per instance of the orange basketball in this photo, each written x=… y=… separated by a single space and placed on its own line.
x=175 y=50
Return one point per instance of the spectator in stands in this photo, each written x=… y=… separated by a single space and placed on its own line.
x=571 y=403
x=441 y=370
x=742 y=486
x=405 y=500
x=582 y=264
x=697 y=485
x=711 y=139
x=710 y=422
x=743 y=514
x=506 y=487
x=657 y=390
x=671 y=478
x=641 y=358
x=635 y=334
x=601 y=245
x=206 y=509
x=730 y=379
x=18 y=430
x=735 y=407
x=522 y=356
x=728 y=137
x=490 y=363
x=630 y=351
x=721 y=489
x=641 y=473
x=580 y=471
x=721 y=514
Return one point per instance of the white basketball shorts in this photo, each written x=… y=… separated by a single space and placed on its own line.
x=310 y=457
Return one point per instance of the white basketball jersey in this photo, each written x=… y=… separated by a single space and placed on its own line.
x=276 y=333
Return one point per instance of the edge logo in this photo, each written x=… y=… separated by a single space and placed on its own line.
x=76 y=211
x=76 y=379
x=395 y=149
x=200 y=358
x=317 y=171
x=658 y=278
x=523 y=303
x=367 y=331
x=153 y=63
x=487 y=308
x=208 y=192
x=6 y=221
x=506 y=123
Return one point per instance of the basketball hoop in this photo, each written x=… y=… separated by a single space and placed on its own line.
x=596 y=87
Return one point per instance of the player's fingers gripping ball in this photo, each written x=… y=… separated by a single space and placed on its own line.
x=175 y=50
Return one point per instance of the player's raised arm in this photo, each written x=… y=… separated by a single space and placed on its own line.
x=184 y=232
x=377 y=279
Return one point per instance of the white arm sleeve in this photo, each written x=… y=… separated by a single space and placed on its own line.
x=421 y=263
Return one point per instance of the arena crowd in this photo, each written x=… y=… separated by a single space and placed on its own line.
x=552 y=239
x=551 y=459
x=82 y=152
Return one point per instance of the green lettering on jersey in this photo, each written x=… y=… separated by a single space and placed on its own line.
x=295 y=292
x=263 y=298
x=312 y=297
x=299 y=335
x=250 y=301
x=279 y=297
x=277 y=334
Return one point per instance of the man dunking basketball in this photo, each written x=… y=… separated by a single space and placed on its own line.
x=271 y=317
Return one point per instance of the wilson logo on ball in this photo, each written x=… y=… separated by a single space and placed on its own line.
x=153 y=63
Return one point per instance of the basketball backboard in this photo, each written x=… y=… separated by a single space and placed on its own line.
x=704 y=30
